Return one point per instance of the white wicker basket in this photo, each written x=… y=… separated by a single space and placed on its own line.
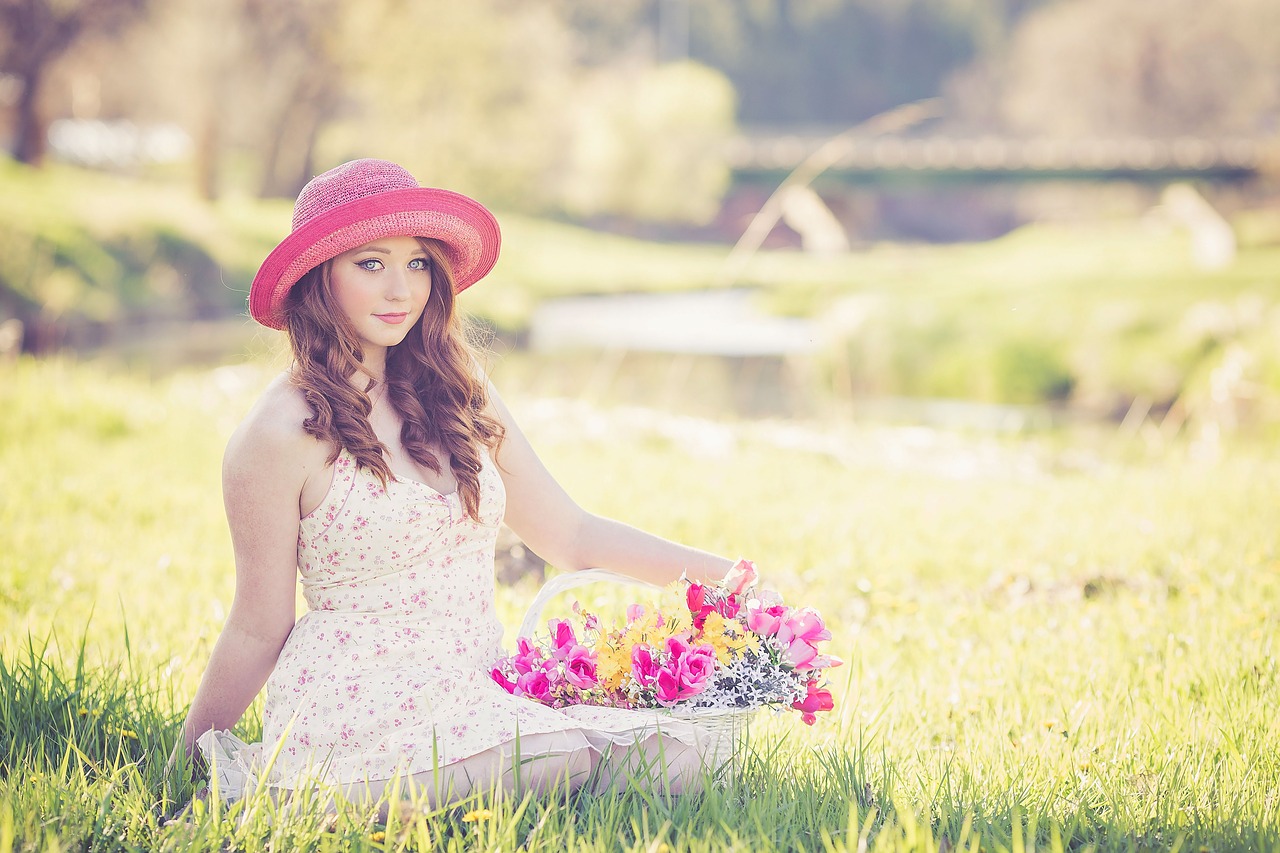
x=726 y=727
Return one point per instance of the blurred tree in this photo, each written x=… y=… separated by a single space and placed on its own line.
x=254 y=82
x=1151 y=67
x=296 y=50
x=806 y=61
x=471 y=96
x=34 y=34
x=646 y=143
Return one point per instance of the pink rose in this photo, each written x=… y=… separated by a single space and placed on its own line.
x=667 y=686
x=740 y=577
x=685 y=673
x=500 y=677
x=580 y=667
x=535 y=685
x=816 y=700
x=697 y=667
x=671 y=688
x=765 y=621
x=644 y=666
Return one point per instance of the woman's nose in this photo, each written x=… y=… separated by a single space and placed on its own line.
x=398 y=285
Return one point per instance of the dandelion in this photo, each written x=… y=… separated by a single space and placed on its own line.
x=378 y=837
x=477 y=815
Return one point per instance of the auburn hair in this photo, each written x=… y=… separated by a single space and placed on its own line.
x=431 y=377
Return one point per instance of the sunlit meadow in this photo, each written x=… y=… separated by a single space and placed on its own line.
x=1050 y=642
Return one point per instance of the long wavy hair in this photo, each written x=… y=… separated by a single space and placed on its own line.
x=432 y=381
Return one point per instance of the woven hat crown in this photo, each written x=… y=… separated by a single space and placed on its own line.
x=351 y=181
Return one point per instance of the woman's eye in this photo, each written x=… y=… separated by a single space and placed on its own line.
x=418 y=264
x=370 y=264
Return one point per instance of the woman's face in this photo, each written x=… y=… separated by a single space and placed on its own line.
x=382 y=287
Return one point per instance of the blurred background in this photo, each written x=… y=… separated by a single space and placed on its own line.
x=993 y=213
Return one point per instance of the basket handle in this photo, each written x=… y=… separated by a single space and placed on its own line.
x=568 y=581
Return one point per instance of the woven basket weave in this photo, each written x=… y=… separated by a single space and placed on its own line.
x=727 y=727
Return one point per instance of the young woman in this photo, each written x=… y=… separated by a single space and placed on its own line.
x=378 y=469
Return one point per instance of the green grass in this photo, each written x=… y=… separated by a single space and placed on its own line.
x=1050 y=643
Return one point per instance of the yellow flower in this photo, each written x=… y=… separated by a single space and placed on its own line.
x=378 y=837
x=716 y=631
x=477 y=815
x=128 y=734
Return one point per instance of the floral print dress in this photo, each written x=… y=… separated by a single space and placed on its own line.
x=387 y=672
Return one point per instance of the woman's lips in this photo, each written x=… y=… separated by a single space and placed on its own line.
x=393 y=319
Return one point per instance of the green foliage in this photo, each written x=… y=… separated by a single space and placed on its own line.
x=78 y=248
x=646 y=144
x=1052 y=642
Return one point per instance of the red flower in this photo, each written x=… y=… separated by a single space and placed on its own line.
x=696 y=599
x=816 y=700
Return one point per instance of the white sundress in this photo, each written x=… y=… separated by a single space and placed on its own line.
x=387 y=673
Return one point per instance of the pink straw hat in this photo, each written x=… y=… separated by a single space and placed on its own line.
x=365 y=200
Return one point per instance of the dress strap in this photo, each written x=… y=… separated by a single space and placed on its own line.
x=345 y=469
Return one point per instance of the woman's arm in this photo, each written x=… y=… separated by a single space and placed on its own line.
x=264 y=470
x=549 y=521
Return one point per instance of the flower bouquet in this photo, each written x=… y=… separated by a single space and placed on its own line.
x=704 y=648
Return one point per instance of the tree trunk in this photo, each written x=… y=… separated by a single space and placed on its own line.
x=30 y=136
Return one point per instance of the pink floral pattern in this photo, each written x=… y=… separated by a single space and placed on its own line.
x=388 y=671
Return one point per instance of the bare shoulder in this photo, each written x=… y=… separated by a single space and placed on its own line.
x=271 y=441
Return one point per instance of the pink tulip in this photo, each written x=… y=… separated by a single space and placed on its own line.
x=696 y=599
x=580 y=667
x=676 y=647
x=806 y=624
x=562 y=638
x=505 y=683
x=800 y=654
x=729 y=606
x=740 y=577
x=825 y=662
x=644 y=666
x=815 y=700
x=527 y=657
x=635 y=612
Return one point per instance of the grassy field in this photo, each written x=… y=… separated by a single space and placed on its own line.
x=1052 y=643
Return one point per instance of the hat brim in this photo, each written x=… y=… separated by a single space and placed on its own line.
x=468 y=231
